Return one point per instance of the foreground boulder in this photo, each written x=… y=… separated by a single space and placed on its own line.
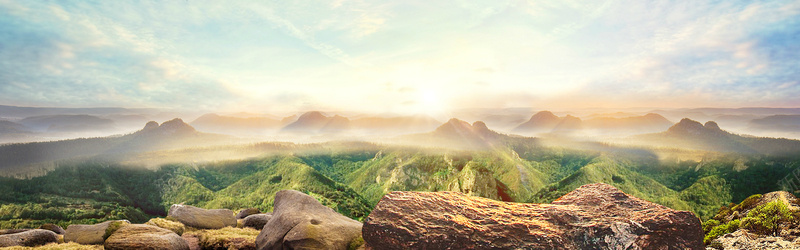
x=256 y=221
x=92 y=234
x=28 y=238
x=202 y=218
x=140 y=236
x=247 y=212
x=300 y=222
x=594 y=216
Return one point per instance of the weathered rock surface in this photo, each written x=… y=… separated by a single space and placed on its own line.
x=202 y=218
x=257 y=221
x=743 y=240
x=140 y=236
x=53 y=227
x=247 y=212
x=92 y=234
x=28 y=238
x=594 y=216
x=300 y=222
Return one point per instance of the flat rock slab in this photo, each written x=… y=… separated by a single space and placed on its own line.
x=594 y=216
x=28 y=238
x=92 y=234
x=140 y=236
x=202 y=218
x=300 y=222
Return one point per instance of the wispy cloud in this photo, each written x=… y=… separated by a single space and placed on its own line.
x=339 y=54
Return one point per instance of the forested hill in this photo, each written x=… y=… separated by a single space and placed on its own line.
x=352 y=178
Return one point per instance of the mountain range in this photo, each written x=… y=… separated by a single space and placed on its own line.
x=690 y=134
x=547 y=122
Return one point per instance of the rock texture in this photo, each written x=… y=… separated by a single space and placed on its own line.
x=92 y=234
x=29 y=238
x=300 y=222
x=202 y=218
x=594 y=216
x=53 y=227
x=257 y=221
x=742 y=240
x=140 y=236
x=246 y=212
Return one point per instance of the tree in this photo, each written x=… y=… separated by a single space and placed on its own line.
x=767 y=219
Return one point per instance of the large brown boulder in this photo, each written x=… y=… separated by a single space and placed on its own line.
x=28 y=238
x=202 y=218
x=92 y=234
x=257 y=221
x=594 y=216
x=300 y=222
x=140 y=236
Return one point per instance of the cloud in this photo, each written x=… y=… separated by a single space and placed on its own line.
x=296 y=55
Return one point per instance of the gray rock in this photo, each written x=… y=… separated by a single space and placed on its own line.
x=29 y=238
x=247 y=212
x=53 y=227
x=202 y=218
x=256 y=221
x=92 y=234
x=300 y=222
x=140 y=236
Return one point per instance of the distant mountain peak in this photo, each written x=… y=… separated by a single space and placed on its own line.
x=692 y=127
x=454 y=125
x=541 y=121
x=544 y=115
x=479 y=125
x=174 y=126
x=687 y=126
x=312 y=115
x=712 y=125
x=150 y=125
x=569 y=123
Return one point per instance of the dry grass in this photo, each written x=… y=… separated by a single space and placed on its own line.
x=226 y=238
x=174 y=226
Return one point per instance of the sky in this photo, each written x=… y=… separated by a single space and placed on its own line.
x=408 y=56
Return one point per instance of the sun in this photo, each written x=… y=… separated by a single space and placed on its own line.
x=430 y=103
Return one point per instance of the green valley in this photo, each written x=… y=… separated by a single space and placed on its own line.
x=352 y=177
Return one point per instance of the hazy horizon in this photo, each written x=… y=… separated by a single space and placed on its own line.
x=405 y=58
